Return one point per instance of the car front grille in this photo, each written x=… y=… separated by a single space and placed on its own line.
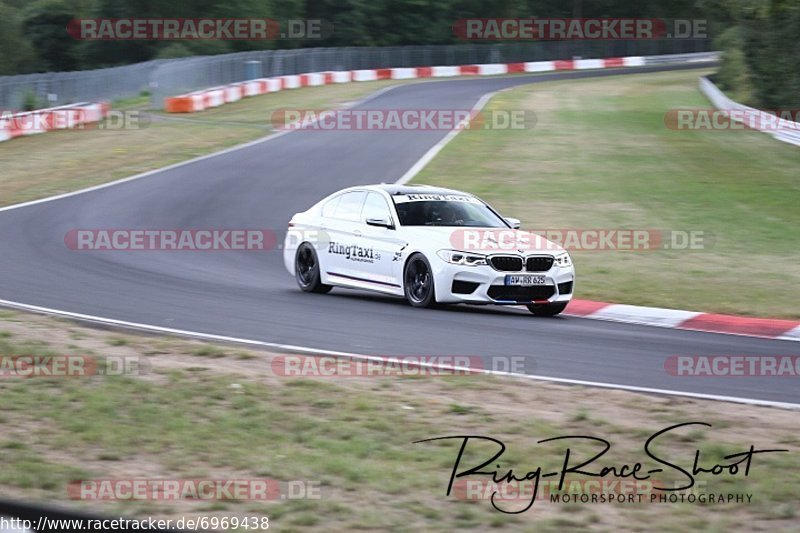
x=506 y=263
x=514 y=263
x=520 y=294
x=539 y=264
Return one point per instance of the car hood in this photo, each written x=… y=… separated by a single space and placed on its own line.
x=480 y=240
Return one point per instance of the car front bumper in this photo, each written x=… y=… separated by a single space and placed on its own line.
x=485 y=285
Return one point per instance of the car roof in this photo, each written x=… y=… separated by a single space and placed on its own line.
x=393 y=189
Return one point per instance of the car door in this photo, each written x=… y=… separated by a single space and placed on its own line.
x=322 y=236
x=343 y=228
x=382 y=240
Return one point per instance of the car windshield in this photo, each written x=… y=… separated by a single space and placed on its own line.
x=445 y=210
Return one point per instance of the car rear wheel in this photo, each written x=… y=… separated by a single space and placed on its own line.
x=547 y=309
x=306 y=270
x=418 y=282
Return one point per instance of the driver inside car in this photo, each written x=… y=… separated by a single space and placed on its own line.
x=444 y=215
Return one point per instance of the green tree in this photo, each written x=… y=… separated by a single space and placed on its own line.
x=45 y=27
x=16 y=54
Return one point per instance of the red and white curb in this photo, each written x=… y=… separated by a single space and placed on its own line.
x=51 y=119
x=768 y=328
x=217 y=96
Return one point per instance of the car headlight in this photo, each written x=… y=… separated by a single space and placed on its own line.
x=563 y=260
x=461 y=258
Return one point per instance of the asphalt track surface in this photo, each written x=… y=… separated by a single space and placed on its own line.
x=249 y=295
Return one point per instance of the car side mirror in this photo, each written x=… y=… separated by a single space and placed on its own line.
x=380 y=222
x=513 y=222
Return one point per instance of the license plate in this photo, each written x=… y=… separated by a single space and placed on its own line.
x=525 y=280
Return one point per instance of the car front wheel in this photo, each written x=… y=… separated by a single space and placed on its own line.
x=306 y=270
x=547 y=309
x=418 y=282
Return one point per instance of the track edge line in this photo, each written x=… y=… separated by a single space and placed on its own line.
x=125 y=325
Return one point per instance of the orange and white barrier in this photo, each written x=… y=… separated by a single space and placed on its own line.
x=13 y=125
x=200 y=100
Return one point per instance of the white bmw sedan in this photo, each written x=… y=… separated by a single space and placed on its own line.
x=428 y=244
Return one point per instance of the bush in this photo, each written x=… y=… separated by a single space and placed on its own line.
x=173 y=51
x=30 y=101
x=734 y=76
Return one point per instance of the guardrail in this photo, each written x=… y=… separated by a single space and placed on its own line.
x=168 y=77
x=51 y=119
x=757 y=119
x=217 y=96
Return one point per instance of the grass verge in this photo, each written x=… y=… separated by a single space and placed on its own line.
x=600 y=156
x=203 y=411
